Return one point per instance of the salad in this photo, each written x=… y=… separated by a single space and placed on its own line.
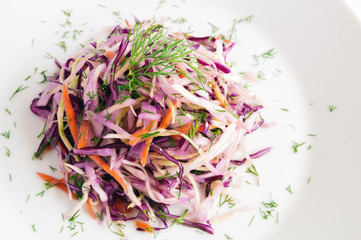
x=144 y=119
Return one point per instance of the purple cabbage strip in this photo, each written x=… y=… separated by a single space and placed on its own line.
x=252 y=156
x=41 y=111
x=161 y=151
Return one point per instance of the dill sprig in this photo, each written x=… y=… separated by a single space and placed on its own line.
x=297 y=145
x=332 y=108
x=288 y=188
x=19 y=89
x=162 y=53
x=6 y=134
x=228 y=200
x=7 y=151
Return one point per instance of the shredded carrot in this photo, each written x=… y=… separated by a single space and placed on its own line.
x=126 y=21
x=145 y=151
x=145 y=226
x=219 y=94
x=227 y=41
x=109 y=54
x=168 y=117
x=100 y=162
x=69 y=110
x=135 y=138
x=90 y=209
x=219 y=36
x=84 y=139
x=59 y=183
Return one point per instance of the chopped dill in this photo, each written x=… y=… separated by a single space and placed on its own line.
x=332 y=108
x=288 y=188
x=297 y=145
x=6 y=134
x=19 y=89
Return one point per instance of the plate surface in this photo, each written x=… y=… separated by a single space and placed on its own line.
x=316 y=66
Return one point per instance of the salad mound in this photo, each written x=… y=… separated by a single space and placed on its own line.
x=145 y=119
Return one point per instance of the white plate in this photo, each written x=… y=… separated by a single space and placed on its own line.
x=318 y=52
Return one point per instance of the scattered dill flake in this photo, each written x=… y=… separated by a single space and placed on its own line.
x=252 y=170
x=14 y=124
x=67 y=22
x=35 y=70
x=74 y=234
x=75 y=33
x=285 y=109
x=33 y=227
x=28 y=77
x=268 y=209
x=48 y=55
x=180 y=20
x=261 y=75
x=297 y=145
x=311 y=103
x=6 y=134
x=27 y=199
x=288 y=188
x=228 y=237
x=53 y=169
x=270 y=54
x=32 y=42
x=44 y=76
x=67 y=13
x=228 y=200
x=248 y=182
x=249 y=18
x=251 y=221
x=100 y=5
x=117 y=13
x=309 y=147
x=311 y=135
x=214 y=28
x=61 y=229
x=10 y=177
x=236 y=22
x=8 y=111
x=332 y=108
x=7 y=151
x=62 y=45
x=19 y=89
x=161 y=2
x=309 y=180
x=278 y=213
x=40 y=194
x=65 y=34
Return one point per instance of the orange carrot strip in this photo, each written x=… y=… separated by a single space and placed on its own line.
x=185 y=128
x=85 y=131
x=135 y=136
x=69 y=110
x=145 y=226
x=109 y=54
x=60 y=183
x=227 y=41
x=145 y=151
x=100 y=162
x=90 y=209
x=168 y=117
x=219 y=95
x=126 y=21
